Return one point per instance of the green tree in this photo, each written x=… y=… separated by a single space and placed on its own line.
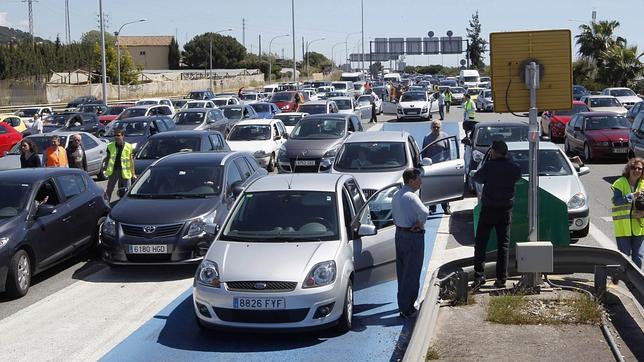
x=375 y=69
x=620 y=66
x=226 y=51
x=174 y=56
x=129 y=71
x=478 y=45
x=595 y=38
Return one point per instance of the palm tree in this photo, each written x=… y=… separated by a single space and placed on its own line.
x=621 y=64
x=596 y=38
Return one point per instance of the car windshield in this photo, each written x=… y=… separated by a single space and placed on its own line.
x=579 y=89
x=133 y=112
x=550 y=163
x=282 y=97
x=414 y=97
x=604 y=102
x=457 y=90
x=324 y=89
x=130 y=128
x=146 y=103
x=189 y=118
x=249 y=97
x=196 y=95
x=313 y=108
x=178 y=181
x=622 y=93
x=304 y=216
x=575 y=109
x=288 y=119
x=473 y=91
x=220 y=101
x=41 y=142
x=250 y=132
x=471 y=79
x=339 y=85
x=261 y=107
x=179 y=103
x=28 y=112
x=159 y=147
x=487 y=94
x=14 y=198
x=607 y=122
x=196 y=105
x=357 y=86
x=487 y=134
x=319 y=128
x=344 y=104
x=114 y=111
x=371 y=156
x=233 y=112
x=57 y=119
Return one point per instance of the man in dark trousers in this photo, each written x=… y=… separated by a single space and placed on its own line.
x=410 y=216
x=498 y=176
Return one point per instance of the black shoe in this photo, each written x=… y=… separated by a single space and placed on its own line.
x=499 y=284
x=447 y=210
x=477 y=283
x=411 y=314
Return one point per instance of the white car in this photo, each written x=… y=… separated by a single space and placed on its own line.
x=365 y=100
x=311 y=93
x=346 y=105
x=416 y=105
x=625 y=96
x=199 y=104
x=458 y=95
x=151 y=101
x=226 y=100
x=27 y=114
x=287 y=255
x=602 y=103
x=558 y=176
x=261 y=137
x=251 y=97
x=290 y=119
x=323 y=90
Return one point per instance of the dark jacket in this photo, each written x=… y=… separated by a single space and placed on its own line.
x=70 y=159
x=498 y=178
x=32 y=161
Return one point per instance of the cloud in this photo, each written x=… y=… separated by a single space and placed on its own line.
x=3 y=19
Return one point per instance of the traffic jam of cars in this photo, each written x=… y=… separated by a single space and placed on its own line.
x=266 y=191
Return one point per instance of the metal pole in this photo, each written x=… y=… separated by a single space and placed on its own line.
x=103 y=65
x=118 y=65
x=362 y=31
x=270 y=59
x=210 y=52
x=293 y=22
x=532 y=81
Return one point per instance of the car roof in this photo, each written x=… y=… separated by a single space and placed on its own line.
x=183 y=133
x=502 y=123
x=35 y=174
x=141 y=118
x=340 y=98
x=292 y=114
x=259 y=121
x=212 y=158
x=328 y=115
x=599 y=96
x=524 y=145
x=314 y=182
x=382 y=136
x=190 y=110
x=578 y=103
x=598 y=114
x=58 y=133
x=233 y=106
x=317 y=103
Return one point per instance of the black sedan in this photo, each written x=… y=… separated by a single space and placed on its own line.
x=139 y=129
x=74 y=121
x=170 y=213
x=46 y=216
x=163 y=144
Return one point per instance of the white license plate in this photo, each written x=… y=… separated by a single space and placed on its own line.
x=259 y=303
x=412 y=112
x=148 y=249
x=305 y=163
x=620 y=150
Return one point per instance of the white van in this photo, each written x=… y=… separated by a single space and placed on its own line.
x=469 y=78
x=394 y=77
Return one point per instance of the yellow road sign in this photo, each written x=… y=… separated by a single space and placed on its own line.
x=510 y=51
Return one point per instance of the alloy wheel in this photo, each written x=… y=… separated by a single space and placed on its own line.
x=23 y=272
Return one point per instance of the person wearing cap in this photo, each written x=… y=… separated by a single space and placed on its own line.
x=410 y=216
x=498 y=176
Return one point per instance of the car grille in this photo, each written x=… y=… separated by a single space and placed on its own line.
x=261 y=316
x=303 y=169
x=620 y=144
x=251 y=286
x=159 y=232
x=148 y=258
x=413 y=111
x=368 y=192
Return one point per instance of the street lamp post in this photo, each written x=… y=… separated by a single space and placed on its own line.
x=346 y=48
x=210 y=53
x=103 y=65
x=118 y=53
x=332 y=50
x=293 y=24
x=307 y=54
x=270 y=60
x=362 y=31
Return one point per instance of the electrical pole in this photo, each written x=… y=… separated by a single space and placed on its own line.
x=303 y=51
x=244 y=32
x=362 y=31
x=260 y=45
x=103 y=65
x=68 y=31
x=293 y=22
x=31 y=16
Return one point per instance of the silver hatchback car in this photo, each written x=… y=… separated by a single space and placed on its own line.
x=294 y=268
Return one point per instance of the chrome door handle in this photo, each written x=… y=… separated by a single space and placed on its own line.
x=91 y=203
x=66 y=219
x=458 y=167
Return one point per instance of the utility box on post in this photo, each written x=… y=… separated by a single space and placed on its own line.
x=534 y=257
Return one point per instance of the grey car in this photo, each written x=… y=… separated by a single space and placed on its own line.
x=199 y=119
x=294 y=268
x=232 y=115
x=314 y=142
x=95 y=150
x=484 y=102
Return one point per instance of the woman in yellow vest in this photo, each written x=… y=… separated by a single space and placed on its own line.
x=627 y=223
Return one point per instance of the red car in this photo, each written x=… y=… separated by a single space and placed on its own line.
x=597 y=134
x=553 y=123
x=8 y=138
x=286 y=100
x=113 y=111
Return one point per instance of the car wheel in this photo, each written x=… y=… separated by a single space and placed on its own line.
x=19 y=276
x=95 y=245
x=588 y=155
x=346 y=320
x=100 y=176
x=271 y=163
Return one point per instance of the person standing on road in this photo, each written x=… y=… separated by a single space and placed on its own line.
x=441 y=104
x=498 y=177
x=29 y=154
x=628 y=222
x=374 y=112
x=448 y=99
x=120 y=164
x=76 y=153
x=36 y=125
x=55 y=155
x=410 y=216
x=469 y=109
x=437 y=152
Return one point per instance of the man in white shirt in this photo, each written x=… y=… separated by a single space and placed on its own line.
x=36 y=125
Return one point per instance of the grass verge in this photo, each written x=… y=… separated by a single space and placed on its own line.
x=432 y=354
x=517 y=309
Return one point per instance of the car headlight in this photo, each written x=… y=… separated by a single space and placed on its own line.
x=425 y=109
x=321 y=274
x=197 y=227
x=281 y=153
x=477 y=155
x=208 y=274
x=602 y=143
x=4 y=241
x=109 y=227
x=260 y=154
x=577 y=201
x=400 y=110
x=331 y=153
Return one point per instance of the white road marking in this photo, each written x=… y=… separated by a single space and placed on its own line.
x=607 y=218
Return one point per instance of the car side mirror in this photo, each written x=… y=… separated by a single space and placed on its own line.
x=237 y=188
x=211 y=229
x=121 y=192
x=45 y=209
x=367 y=230
x=583 y=170
x=426 y=161
x=277 y=137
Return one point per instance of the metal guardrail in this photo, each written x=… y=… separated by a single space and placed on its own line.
x=566 y=260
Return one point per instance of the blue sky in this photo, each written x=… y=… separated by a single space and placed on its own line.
x=329 y=19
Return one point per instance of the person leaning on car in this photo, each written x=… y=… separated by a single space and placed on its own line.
x=120 y=164
x=498 y=177
x=410 y=216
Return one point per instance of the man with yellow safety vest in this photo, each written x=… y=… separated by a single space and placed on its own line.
x=469 y=109
x=120 y=164
x=448 y=99
x=628 y=219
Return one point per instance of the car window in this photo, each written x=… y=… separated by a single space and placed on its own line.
x=379 y=208
x=347 y=210
x=88 y=142
x=216 y=142
x=351 y=126
x=550 y=162
x=232 y=176
x=47 y=194
x=640 y=119
x=415 y=153
x=487 y=134
x=252 y=163
x=161 y=126
x=71 y=185
x=371 y=156
x=164 y=111
x=3 y=130
x=354 y=193
x=169 y=123
x=357 y=123
x=244 y=169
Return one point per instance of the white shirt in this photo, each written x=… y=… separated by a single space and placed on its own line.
x=36 y=126
x=407 y=208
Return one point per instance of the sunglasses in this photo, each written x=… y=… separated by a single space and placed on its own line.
x=636 y=168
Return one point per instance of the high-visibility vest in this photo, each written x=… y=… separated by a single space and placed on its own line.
x=623 y=222
x=53 y=159
x=448 y=97
x=470 y=109
x=126 y=166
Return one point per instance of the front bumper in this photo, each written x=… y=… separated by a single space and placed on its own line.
x=315 y=165
x=614 y=151
x=578 y=221
x=412 y=113
x=300 y=308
